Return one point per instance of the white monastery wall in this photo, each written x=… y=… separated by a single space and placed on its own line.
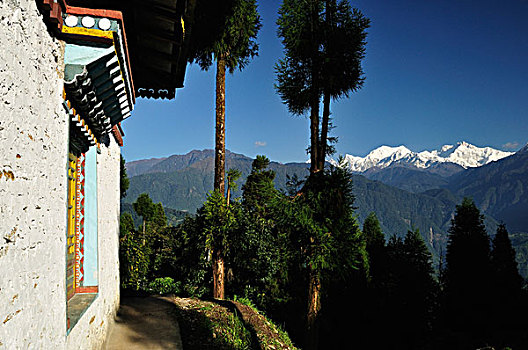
x=33 y=151
x=33 y=190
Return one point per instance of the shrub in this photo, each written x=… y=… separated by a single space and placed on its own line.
x=165 y=285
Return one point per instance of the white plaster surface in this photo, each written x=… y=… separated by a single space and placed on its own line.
x=33 y=158
x=33 y=146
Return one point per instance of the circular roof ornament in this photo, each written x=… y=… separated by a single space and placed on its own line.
x=104 y=24
x=88 y=22
x=71 y=21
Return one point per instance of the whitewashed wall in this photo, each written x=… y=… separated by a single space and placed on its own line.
x=33 y=156
x=33 y=147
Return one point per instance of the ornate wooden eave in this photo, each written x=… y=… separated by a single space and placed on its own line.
x=155 y=37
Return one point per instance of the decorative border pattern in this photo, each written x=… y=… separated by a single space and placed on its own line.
x=79 y=221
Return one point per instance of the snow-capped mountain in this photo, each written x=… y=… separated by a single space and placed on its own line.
x=463 y=154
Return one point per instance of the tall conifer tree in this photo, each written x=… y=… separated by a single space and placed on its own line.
x=507 y=283
x=324 y=43
x=468 y=270
x=232 y=49
x=503 y=262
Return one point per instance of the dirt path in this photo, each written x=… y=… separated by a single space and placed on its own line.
x=144 y=323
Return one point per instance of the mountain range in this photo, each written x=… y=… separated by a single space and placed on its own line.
x=403 y=190
x=463 y=154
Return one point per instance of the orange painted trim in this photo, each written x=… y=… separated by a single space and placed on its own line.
x=81 y=11
x=90 y=289
x=116 y=15
x=117 y=135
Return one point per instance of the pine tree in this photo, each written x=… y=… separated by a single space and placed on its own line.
x=468 y=270
x=344 y=48
x=372 y=231
x=133 y=255
x=219 y=222
x=420 y=283
x=232 y=49
x=124 y=181
x=410 y=291
x=260 y=265
x=504 y=263
x=324 y=43
x=144 y=207
x=322 y=226
x=507 y=283
x=375 y=245
x=259 y=189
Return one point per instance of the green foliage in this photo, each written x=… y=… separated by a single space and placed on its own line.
x=283 y=335
x=219 y=222
x=345 y=40
x=468 y=269
x=133 y=256
x=174 y=217
x=372 y=231
x=260 y=265
x=376 y=250
x=321 y=222
x=165 y=285
x=411 y=289
x=504 y=264
x=126 y=224
x=328 y=36
x=259 y=190
x=124 y=181
x=234 y=333
x=232 y=176
x=187 y=258
x=236 y=42
x=144 y=207
x=324 y=43
x=507 y=283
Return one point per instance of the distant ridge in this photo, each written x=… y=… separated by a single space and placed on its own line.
x=174 y=162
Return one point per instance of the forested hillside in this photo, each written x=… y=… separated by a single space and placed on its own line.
x=182 y=182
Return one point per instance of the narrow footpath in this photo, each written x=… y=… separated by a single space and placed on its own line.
x=145 y=323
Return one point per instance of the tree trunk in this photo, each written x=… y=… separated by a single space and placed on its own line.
x=327 y=83
x=219 y=175
x=314 y=133
x=324 y=129
x=314 y=98
x=218 y=275
x=314 y=306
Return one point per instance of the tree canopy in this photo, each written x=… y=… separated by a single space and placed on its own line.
x=324 y=43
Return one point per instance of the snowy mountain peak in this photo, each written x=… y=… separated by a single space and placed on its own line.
x=463 y=154
x=446 y=148
x=386 y=151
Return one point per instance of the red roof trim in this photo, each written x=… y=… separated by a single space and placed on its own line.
x=54 y=11
x=117 y=135
x=120 y=129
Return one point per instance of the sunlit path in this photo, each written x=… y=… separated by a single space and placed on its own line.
x=144 y=323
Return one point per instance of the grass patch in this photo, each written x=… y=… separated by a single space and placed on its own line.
x=226 y=325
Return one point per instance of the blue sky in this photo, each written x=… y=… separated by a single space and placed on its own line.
x=437 y=72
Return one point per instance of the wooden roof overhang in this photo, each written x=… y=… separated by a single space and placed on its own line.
x=155 y=38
